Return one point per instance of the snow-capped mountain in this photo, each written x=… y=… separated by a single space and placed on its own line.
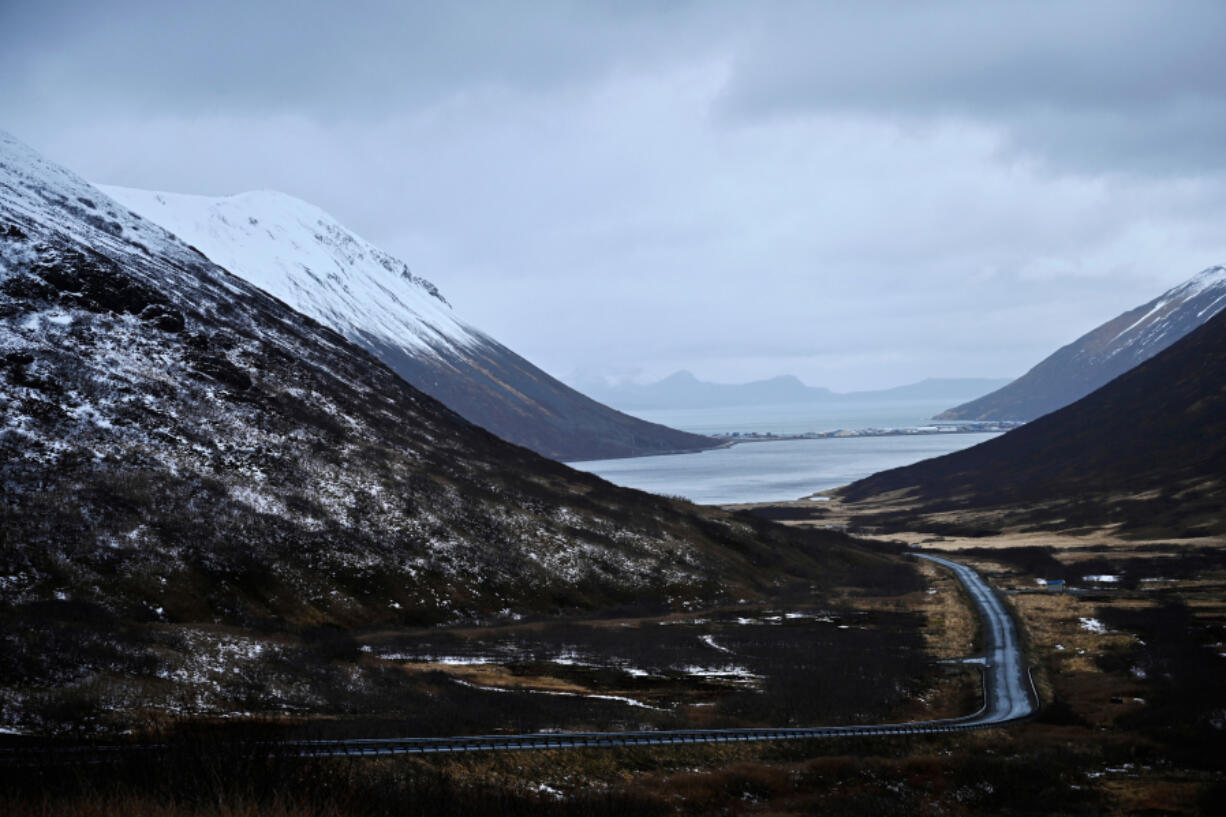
x=1103 y=354
x=187 y=465
x=298 y=253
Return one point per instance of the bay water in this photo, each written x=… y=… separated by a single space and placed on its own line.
x=780 y=470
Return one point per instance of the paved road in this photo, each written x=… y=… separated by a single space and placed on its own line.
x=1008 y=690
x=1008 y=696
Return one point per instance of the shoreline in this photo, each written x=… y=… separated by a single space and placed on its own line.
x=735 y=438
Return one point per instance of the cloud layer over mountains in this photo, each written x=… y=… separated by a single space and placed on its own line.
x=859 y=195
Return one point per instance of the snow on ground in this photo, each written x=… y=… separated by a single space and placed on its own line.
x=727 y=672
x=446 y=660
x=1092 y=625
x=560 y=694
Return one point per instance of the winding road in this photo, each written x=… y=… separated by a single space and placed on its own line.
x=1008 y=691
x=1008 y=696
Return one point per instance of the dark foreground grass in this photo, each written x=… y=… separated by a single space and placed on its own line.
x=216 y=777
x=1038 y=769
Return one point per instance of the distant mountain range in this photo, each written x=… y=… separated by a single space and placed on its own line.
x=1099 y=356
x=1146 y=452
x=682 y=390
x=301 y=255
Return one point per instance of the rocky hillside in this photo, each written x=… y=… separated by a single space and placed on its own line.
x=1100 y=356
x=1146 y=452
x=300 y=254
x=190 y=468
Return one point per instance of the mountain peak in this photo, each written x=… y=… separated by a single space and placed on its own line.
x=1208 y=278
x=1104 y=353
x=300 y=254
x=793 y=381
x=681 y=376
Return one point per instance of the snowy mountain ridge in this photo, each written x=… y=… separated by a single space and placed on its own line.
x=1151 y=326
x=1209 y=278
x=64 y=203
x=301 y=255
x=1104 y=353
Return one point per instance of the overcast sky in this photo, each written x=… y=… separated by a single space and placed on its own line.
x=861 y=194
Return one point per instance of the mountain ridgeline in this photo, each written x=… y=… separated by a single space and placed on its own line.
x=1103 y=354
x=1146 y=452
x=301 y=255
x=682 y=390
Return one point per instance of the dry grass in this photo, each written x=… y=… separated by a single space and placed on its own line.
x=495 y=675
x=835 y=513
x=1057 y=634
x=1163 y=794
x=1063 y=649
x=1067 y=653
x=952 y=623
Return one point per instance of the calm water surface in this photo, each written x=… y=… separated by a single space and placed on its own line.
x=789 y=469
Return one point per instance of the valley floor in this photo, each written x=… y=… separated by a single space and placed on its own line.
x=855 y=657
x=1129 y=663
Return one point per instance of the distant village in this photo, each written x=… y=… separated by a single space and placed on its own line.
x=964 y=427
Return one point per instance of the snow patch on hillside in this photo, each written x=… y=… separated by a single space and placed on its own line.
x=1170 y=311
x=1206 y=279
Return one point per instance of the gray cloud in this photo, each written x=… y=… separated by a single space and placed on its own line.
x=1125 y=85
x=860 y=197
x=359 y=58
x=1105 y=84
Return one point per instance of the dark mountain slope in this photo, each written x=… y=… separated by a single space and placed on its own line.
x=1099 y=356
x=196 y=480
x=174 y=439
x=501 y=391
x=1148 y=451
